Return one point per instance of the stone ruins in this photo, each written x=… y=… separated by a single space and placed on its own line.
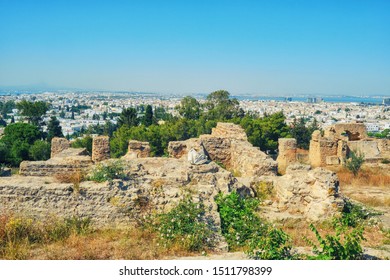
x=157 y=184
x=334 y=145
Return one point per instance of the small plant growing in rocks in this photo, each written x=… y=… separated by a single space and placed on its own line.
x=187 y=226
x=354 y=162
x=108 y=171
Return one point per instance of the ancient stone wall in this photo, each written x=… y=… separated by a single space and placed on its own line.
x=287 y=153
x=119 y=201
x=58 y=145
x=249 y=161
x=322 y=150
x=346 y=131
x=100 y=148
x=307 y=193
x=66 y=162
x=369 y=149
x=384 y=147
x=228 y=145
x=138 y=149
x=229 y=130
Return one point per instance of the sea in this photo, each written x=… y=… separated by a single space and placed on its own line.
x=331 y=99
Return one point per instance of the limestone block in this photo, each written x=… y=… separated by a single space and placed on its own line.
x=58 y=145
x=100 y=148
x=287 y=153
x=229 y=130
x=368 y=148
x=333 y=160
x=138 y=149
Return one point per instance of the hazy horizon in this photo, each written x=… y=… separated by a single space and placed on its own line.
x=176 y=47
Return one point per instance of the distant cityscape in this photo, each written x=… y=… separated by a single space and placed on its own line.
x=96 y=108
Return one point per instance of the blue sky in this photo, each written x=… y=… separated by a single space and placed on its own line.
x=263 y=47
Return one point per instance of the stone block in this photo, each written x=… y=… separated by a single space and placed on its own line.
x=100 y=148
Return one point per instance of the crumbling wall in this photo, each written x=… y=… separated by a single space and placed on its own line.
x=66 y=162
x=58 y=145
x=229 y=130
x=384 y=147
x=138 y=149
x=312 y=194
x=229 y=146
x=369 y=149
x=287 y=153
x=346 y=131
x=100 y=148
x=322 y=150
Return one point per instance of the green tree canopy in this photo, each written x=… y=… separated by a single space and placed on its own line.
x=40 y=150
x=189 y=108
x=33 y=111
x=220 y=106
x=302 y=133
x=148 y=119
x=17 y=139
x=128 y=117
x=53 y=129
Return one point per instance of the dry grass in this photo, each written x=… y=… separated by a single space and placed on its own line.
x=75 y=178
x=368 y=176
x=129 y=244
x=372 y=201
x=373 y=235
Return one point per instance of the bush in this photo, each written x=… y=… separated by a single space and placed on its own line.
x=275 y=244
x=354 y=162
x=40 y=150
x=242 y=228
x=108 y=171
x=186 y=225
x=343 y=245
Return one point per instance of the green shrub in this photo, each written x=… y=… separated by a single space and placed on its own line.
x=343 y=245
x=242 y=228
x=238 y=219
x=108 y=171
x=354 y=162
x=186 y=225
x=354 y=215
x=275 y=244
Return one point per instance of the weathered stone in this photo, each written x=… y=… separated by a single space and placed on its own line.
x=287 y=153
x=138 y=149
x=346 y=131
x=100 y=148
x=320 y=149
x=311 y=194
x=58 y=145
x=332 y=160
x=229 y=130
x=369 y=149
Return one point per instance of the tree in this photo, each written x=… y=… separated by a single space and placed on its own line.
x=148 y=119
x=128 y=117
x=17 y=139
x=40 y=150
x=221 y=107
x=85 y=142
x=53 y=129
x=189 y=108
x=109 y=128
x=62 y=114
x=33 y=111
x=2 y=122
x=302 y=133
x=354 y=162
